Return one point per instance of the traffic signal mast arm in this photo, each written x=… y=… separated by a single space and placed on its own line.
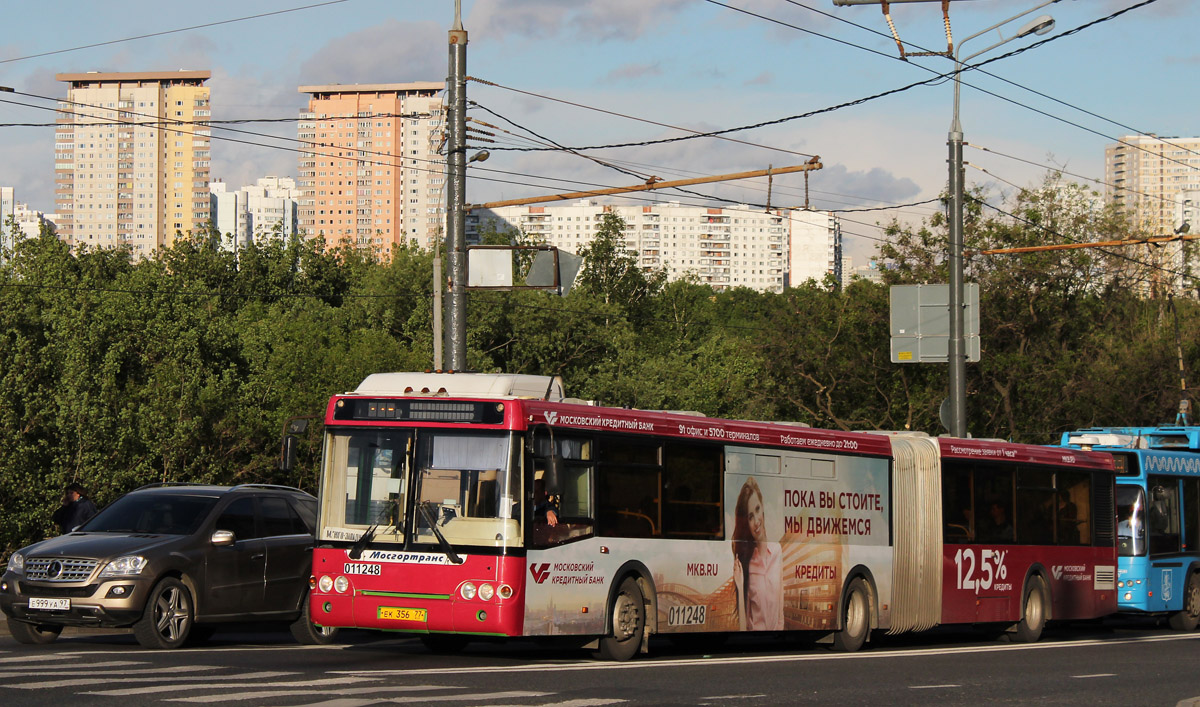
x=650 y=185
x=1098 y=244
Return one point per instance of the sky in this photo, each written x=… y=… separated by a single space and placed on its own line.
x=584 y=73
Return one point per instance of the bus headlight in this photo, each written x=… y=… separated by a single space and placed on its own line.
x=341 y=584
x=468 y=590
x=505 y=591
x=486 y=592
x=1128 y=596
x=1121 y=585
x=325 y=583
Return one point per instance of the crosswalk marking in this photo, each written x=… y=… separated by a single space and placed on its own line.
x=78 y=682
x=286 y=693
x=62 y=667
x=474 y=697
x=9 y=659
x=232 y=686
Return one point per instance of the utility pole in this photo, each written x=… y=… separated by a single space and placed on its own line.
x=456 y=195
x=957 y=349
x=957 y=354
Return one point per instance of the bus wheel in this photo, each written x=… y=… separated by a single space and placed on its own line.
x=1033 y=619
x=856 y=620
x=1189 y=618
x=444 y=643
x=628 y=623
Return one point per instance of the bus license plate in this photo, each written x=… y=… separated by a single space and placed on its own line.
x=50 y=604
x=399 y=614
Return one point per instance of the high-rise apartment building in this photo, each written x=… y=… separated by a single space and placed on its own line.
x=373 y=176
x=738 y=246
x=814 y=246
x=17 y=221
x=251 y=213
x=1146 y=175
x=8 y=205
x=131 y=158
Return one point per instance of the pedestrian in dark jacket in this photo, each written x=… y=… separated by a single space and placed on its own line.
x=76 y=508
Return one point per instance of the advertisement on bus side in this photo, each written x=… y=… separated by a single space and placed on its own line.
x=795 y=525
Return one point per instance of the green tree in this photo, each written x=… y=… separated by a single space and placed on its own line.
x=612 y=272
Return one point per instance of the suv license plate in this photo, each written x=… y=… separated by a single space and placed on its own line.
x=399 y=614
x=50 y=604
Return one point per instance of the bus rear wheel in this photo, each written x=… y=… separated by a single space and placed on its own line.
x=856 y=618
x=628 y=624
x=1033 y=619
x=1189 y=617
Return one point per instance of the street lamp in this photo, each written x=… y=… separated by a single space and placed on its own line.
x=957 y=352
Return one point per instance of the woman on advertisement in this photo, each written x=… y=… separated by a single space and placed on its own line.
x=757 y=564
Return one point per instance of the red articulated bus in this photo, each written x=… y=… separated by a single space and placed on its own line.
x=463 y=507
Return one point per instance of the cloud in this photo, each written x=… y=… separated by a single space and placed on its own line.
x=763 y=79
x=600 y=20
x=390 y=52
x=242 y=155
x=868 y=187
x=629 y=72
x=28 y=166
x=192 y=51
x=1184 y=60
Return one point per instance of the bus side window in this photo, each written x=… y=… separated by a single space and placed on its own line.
x=629 y=487
x=572 y=500
x=692 y=491
x=1073 y=508
x=993 y=504
x=1036 y=506
x=956 y=504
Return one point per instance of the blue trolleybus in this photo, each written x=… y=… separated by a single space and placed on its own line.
x=1158 y=517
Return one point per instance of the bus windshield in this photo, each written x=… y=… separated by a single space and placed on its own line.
x=1131 y=521
x=463 y=483
x=466 y=487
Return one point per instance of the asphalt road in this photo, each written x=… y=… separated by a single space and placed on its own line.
x=1097 y=665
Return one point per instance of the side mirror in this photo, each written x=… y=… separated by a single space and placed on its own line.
x=287 y=459
x=550 y=476
x=222 y=538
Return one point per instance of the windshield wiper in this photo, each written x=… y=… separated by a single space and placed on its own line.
x=359 y=545
x=445 y=545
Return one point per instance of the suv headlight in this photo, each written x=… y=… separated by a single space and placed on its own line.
x=123 y=566
x=16 y=563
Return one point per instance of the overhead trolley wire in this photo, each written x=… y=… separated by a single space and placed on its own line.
x=940 y=77
x=1069 y=239
x=1073 y=174
x=978 y=67
x=695 y=133
x=309 y=148
x=173 y=31
x=983 y=71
